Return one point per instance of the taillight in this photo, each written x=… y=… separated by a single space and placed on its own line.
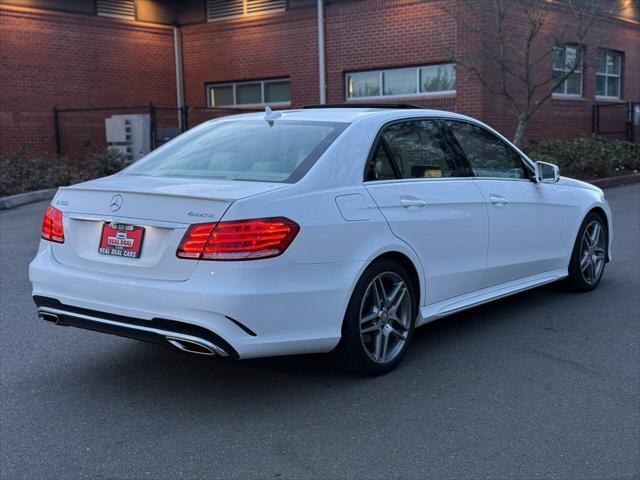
x=238 y=240
x=52 y=229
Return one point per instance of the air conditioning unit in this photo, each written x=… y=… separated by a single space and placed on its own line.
x=129 y=134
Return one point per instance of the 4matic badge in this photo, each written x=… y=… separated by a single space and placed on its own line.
x=201 y=214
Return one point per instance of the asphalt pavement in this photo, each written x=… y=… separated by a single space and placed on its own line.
x=545 y=384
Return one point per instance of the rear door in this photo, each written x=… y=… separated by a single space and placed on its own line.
x=525 y=218
x=430 y=203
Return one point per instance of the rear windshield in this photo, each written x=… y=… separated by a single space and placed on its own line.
x=280 y=151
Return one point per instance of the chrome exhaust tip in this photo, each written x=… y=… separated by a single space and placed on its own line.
x=192 y=346
x=49 y=317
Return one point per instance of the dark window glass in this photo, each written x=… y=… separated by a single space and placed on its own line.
x=248 y=93
x=222 y=96
x=238 y=150
x=488 y=156
x=277 y=91
x=438 y=78
x=420 y=150
x=399 y=82
x=363 y=84
x=380 y=167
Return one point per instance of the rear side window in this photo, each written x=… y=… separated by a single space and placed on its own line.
x=419 y=149
x=488 y=156
x=280 y=151
x=380 y=167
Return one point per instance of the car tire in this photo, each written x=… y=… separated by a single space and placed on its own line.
x=379 y=321
x=589 y=255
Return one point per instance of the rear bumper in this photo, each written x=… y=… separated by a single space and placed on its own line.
x=254 y=309
x=156 y=330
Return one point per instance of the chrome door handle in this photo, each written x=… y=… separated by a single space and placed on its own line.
x=412 y=202
x=498 y=200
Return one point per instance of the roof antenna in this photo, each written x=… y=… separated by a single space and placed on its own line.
x=270 y=115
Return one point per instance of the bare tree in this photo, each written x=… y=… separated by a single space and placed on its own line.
x=516 y=42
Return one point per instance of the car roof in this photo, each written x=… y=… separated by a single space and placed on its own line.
x=347 y=114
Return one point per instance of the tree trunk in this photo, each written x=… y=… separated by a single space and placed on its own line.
x=522 y=125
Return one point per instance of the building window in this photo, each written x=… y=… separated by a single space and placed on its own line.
x=565 y=60
x=117 y=8
x=402 y=82
x=253 y=93
x=608 y=74
x=223 y=9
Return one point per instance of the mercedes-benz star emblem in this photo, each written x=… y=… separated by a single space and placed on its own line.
x=116 y=202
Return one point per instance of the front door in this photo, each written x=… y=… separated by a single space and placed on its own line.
x=525 y=218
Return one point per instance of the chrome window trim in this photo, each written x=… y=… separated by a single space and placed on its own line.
x=441 y=179
x=528 y=163
x=415 y=180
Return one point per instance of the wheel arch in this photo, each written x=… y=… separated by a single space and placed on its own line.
x=409 y=265
x=406 y=259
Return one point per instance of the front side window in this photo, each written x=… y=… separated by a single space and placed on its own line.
x=419 y=149
x=241 y=150
x=488 y=156
x=258 y=93
x=567 y=60
x=608 y=74
x=413 y=81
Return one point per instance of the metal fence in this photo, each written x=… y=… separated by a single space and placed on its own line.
x=81 y=133
x=617 y=120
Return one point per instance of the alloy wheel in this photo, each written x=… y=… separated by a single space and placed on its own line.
x=592 y=252
x=385 y=317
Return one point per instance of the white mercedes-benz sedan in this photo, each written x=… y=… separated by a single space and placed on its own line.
x=328 y=229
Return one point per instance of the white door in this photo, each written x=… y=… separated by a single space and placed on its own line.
x=431 y=204
x=525 y=218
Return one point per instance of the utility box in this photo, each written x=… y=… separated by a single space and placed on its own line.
x=129 y=134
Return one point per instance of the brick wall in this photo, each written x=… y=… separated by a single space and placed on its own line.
x=272 y=46
x=52 y=59
x=566 y=118
x=359 y=35
x=55 y=59
x=373 y=34
x=386 y=34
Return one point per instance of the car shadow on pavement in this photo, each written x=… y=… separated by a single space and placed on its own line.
x=139 y=366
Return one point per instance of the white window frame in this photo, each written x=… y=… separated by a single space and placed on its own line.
x=235 y=85
x=381 y=72
x=606 y=52
x=579 y=69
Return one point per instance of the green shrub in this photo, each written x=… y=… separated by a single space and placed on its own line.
x=108 y=162
x=588 y=156
x=34 y=173
x=22 y=173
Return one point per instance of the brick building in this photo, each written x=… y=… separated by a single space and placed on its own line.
x=235 y=54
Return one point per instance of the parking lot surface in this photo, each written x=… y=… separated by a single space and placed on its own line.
x=545 y=384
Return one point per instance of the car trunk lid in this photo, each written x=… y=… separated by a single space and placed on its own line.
x=163 y=207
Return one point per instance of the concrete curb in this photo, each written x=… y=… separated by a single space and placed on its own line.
x=12 y=201
x=616 y=181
